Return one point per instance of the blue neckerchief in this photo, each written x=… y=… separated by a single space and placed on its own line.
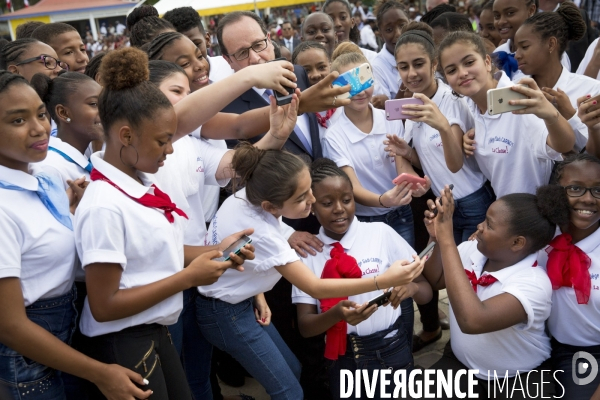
x=506 y=62
x=88 y=167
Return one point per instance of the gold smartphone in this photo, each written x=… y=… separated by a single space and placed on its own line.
x=498 y=100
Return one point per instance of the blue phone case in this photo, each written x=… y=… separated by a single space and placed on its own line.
x=352 y=78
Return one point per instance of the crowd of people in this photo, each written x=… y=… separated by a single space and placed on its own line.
x=163 y=213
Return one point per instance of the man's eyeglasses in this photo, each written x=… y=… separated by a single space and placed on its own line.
x=245 y=53
x=49 y=62
x=579 y=191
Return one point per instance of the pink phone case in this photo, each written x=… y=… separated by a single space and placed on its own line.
x=393 y=108
x=414 y=180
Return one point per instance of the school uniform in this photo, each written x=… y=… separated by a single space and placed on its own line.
x=518 y=75
x=346 y=145
x=39 y=250
x=576 y=327
x=375 y=246
x=386 y=74
x=587 y=58
x=67 y=161
x=369 y=54
x=509 y=144
x=112 y=226
x=259 y=349
x=325 y=123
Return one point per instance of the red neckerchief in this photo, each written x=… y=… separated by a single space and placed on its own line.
x=340 y=265
x=323 y=120
x=484 y=280
x=158 y=200
x=569 y=266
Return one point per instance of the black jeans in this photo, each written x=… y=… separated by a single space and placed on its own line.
x=147 y=350
x=562 y=358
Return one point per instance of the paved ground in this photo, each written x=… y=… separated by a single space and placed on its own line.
x=424 y=358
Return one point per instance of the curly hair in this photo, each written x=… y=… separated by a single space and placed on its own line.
x=184 y=19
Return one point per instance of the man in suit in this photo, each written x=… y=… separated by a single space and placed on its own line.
x=289 y=39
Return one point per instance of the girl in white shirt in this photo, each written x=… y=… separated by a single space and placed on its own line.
x=277 y=184
x=506 y=142
x=574 y=321
x=436 y=129
x=540 y=42
x=129 y=234
x=37 y=263
x=499 y=297
x=318 y=27
x=370 y=248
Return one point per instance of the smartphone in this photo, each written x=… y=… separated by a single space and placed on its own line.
x=435 y=210
x=393 y=108
x=235 y=248
x=413 y=180
x=280 y=98
x=425 y=254
x=359 y=78
x=380 y=300
x=497 y=100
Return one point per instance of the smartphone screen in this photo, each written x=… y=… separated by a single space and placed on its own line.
x=234 y=248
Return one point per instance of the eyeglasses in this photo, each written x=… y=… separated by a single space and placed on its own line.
x=245 y=53
x=49 y=62
x=579 y=191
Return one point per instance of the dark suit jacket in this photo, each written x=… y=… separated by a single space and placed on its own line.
x=295 y=41
x=251 y=100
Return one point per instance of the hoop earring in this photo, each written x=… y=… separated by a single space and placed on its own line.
x=137 y=156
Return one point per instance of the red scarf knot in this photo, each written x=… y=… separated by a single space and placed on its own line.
x=340 y=265
x=569 y=266
x=484 y=280
x=159 y=199
x=322 y=120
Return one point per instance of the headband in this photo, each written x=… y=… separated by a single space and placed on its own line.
x=422 y=34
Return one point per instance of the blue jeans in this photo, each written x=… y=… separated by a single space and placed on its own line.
x=22 y=378
x=374 y=352
x=562 y=358
x=470 y=211
x=233 y=329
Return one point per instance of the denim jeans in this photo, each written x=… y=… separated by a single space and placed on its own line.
x=374 y=352
x=470 y=211
x=562 y=358
x=233 y=329
x=24 y=379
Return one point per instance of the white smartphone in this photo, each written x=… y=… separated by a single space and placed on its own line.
x=359 y=78
x=498 y=100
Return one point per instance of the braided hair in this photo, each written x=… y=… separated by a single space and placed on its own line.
x=323 y=168
x=560 y=166
x=156 y=48
x=144 y=25
x=93 y=66
x=304 y=46
x=8 y=79
x=12 y=52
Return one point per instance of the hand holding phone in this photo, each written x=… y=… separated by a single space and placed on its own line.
x=393 y=108
x=412 y=179
x=380 y=300
x=359 y=78
x=281 y=98
x=498 y=100
x=235 y=248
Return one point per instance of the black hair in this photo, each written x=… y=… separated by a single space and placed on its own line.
x=354 y=32
x=93 y=66
x=47 y=32
x=58 y=90
x=184 y=19
x=488 y=5
x=560 y=166
x=161 y=70
x=311 y=44
x=144 y=25
x=156 y=48
x=25 y=30
x=8 y=79
x=276 y=50
x=470 y=38
x=566 y=24
x=323 y=168
x=384 y=6
x=234 y=17
x=536 y=216
x=452 y=21
x=268 y=175
x=436 y=11
x=12 y=52
x=287 y=22
x=420 y=33
x=127 y=93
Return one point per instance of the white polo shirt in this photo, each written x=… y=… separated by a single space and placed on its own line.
x=346 y=145
x=270 y=244
x=110 y=227
x=219 y=69
x=428 y=144
x=375 y=246
x=66 y=169
x=587 y=58
x=518 y=75
x=570 y=322
x=386 y=74
x=511 y=150
x=186 y=175
x=370 y=55
x=210 y=194
x=576 y=86
x=334 y=117
x=36 y=248
x=521 y=347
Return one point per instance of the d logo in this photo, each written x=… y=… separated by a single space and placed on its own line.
x=583 y=367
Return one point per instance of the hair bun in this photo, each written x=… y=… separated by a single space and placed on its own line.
x=124 y=68
x=42 y=84
x=576 y=26
x=553 y=204
x=245 y=160
x=140 y=13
